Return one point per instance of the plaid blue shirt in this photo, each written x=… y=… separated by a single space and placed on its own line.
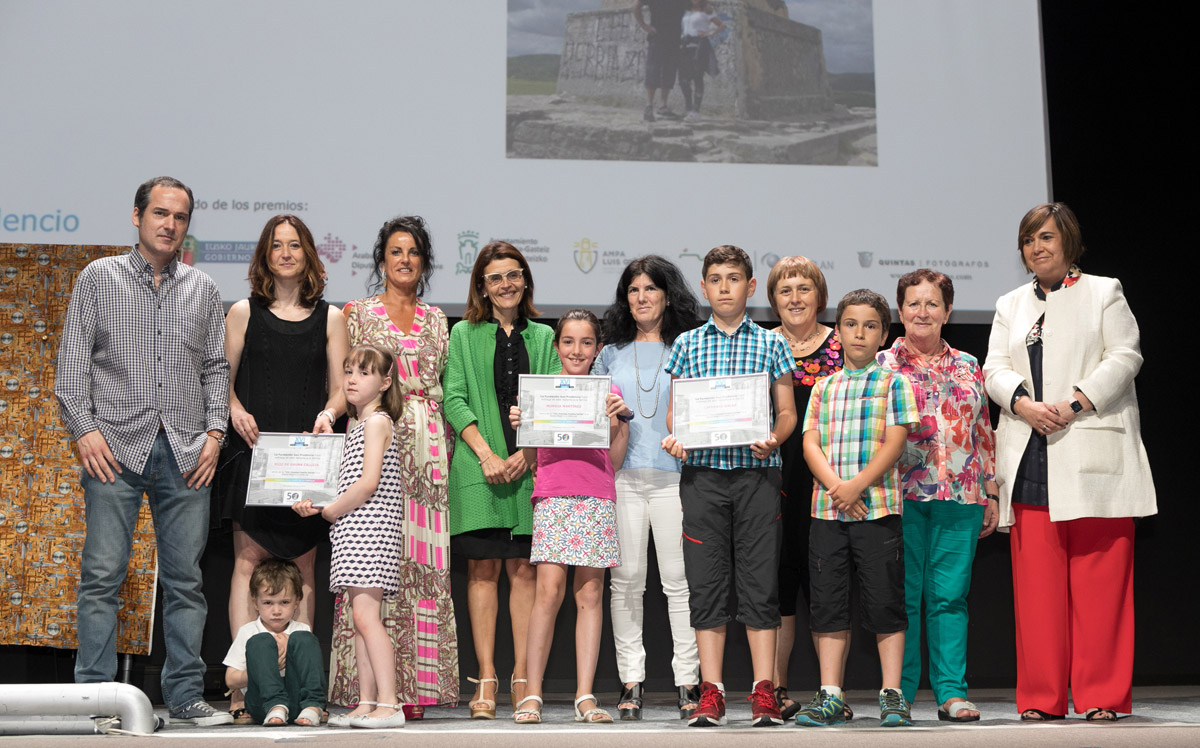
x=134 y=356
x=708 y=351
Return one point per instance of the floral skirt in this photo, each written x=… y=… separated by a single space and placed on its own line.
x=576 y=531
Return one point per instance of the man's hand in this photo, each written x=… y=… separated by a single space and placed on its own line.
x=96 y=457
x=202 y=474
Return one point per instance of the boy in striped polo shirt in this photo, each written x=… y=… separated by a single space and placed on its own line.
x=730 y=495
x=854 y=431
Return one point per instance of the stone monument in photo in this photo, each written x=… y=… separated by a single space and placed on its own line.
x=771 y=67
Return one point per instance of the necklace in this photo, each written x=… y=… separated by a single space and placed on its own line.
x=799 y=343
x=637 y=374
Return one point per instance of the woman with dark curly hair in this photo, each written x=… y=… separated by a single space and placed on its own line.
x=652 y=306
x=422 y=617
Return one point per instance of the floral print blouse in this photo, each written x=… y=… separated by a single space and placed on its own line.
x=826 y=360
x=951 y=452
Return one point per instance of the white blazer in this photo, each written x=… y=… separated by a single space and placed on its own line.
x=1097 y=466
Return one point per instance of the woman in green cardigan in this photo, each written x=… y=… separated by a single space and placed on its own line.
x=491 y=518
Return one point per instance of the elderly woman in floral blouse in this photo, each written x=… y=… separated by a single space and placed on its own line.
x=948 y=479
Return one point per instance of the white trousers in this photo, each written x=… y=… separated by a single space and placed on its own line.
x=649 y=498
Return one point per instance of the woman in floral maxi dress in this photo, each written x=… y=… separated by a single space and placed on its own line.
x=421 y=618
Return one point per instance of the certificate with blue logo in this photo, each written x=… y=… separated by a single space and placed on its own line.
x=562 y=411
x=286 y=468
x=709 y=412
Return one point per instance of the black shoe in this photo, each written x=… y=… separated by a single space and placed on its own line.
x=631 y=695
x=648 y=113
x=787 y=711
x=689 y=697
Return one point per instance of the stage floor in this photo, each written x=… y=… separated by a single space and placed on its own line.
x=1163 y=716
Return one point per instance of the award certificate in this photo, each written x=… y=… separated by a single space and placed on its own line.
x=563 y=411
x=286 y=468
x=712 y=412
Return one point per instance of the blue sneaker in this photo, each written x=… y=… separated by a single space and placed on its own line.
x=822 y=711
x=893 y=709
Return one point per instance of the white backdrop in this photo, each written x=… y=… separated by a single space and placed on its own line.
x=349 y=113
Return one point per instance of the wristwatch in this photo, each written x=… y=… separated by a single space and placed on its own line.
x=1076 y=406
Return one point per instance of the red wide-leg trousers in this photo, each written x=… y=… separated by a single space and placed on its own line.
x=1073 y=588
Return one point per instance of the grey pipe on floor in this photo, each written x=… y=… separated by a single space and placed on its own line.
x=25 y=707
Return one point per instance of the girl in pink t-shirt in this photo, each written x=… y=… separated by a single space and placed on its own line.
x=574 y=524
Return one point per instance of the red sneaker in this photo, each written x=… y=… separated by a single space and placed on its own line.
x=711 y=711
x=764 y=709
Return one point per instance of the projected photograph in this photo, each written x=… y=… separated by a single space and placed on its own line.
x=724 y=81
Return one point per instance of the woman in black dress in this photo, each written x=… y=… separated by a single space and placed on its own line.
x=285 y=347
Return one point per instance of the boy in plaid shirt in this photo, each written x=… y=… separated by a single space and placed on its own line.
x=854 y=431
x=730 y=495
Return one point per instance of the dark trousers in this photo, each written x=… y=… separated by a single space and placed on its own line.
x=303 y=685
x=731 y=540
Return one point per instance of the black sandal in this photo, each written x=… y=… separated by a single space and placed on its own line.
x=786 y=711
x=1037 y=715
x=631 y=695
x=689 y=699
x=1100 y=714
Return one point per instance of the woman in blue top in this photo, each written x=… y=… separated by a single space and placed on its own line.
x=653 y=305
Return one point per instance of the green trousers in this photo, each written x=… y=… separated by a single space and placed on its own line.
x=303 y=685
x=939 y=548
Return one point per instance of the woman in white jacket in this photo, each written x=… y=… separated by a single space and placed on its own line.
x=1072 y=472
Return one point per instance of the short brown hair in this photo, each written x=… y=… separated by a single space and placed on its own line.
x=925 y=275
x=797 y=266
x=1068 y=228
x=727 y=254
x=273 y=575
x=379 y=361
x=262 y=283
x=866 y=297
x=479 y=309
x=141 y=198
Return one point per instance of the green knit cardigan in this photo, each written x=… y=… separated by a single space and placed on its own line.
x=469 y=396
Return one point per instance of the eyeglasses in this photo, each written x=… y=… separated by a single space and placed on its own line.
x=512 y=276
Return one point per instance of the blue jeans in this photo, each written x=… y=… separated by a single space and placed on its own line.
x=181 y=530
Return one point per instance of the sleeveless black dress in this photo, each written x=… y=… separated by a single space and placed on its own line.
x=281 y=381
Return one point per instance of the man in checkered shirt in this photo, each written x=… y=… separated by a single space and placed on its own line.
x=143 y=387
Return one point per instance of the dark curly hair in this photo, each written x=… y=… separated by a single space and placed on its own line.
x=682 y=312
x=415 y=227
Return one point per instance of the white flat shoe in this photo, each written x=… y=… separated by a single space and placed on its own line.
x=343 y=720
x=381 y=723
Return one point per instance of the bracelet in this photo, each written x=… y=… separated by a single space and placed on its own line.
x=485 y=459
x=328 y=414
